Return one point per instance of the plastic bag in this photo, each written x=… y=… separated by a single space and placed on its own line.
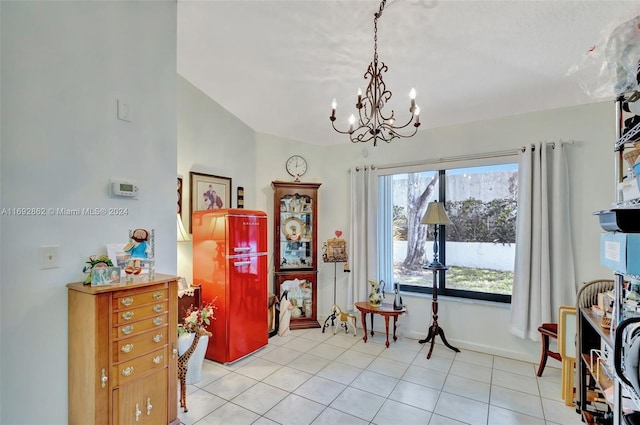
x=610 y=68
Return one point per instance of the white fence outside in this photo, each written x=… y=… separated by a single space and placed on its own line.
x=483 y=255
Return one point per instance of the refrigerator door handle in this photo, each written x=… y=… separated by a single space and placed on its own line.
x=242 y=263
x=242 y=249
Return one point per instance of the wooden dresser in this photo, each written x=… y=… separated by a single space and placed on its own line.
x=123 y=352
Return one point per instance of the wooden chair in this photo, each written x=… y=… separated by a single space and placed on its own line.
x=547 y=330
x=587 y=296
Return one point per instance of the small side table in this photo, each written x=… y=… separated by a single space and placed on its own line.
x=385 y=310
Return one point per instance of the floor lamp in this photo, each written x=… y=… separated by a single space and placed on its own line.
x=437 y=216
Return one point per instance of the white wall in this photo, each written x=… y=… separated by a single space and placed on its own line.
x=468 y=324
x=64 y=64
x=211 y=141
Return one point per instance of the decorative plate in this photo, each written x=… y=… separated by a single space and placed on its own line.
x=292 y=228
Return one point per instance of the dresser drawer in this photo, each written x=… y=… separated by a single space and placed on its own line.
x=131 y=329
x=134 y=314
x=128 y=299
x=129 y=348
x=132 y=369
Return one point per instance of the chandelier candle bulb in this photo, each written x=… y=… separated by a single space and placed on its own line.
x=352 y=121
x=359 y=104
x=417 y=114
x=412 y=96
x=333 y=109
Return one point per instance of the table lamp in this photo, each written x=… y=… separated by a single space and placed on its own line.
x=437 y=216
x=183 y=236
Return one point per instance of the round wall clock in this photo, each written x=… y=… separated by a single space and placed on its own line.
x=296 y=166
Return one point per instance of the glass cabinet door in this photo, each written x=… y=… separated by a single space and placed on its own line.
x=296 y=232
x=297 y=293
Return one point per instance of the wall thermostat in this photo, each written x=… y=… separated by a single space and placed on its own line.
x=125 y=189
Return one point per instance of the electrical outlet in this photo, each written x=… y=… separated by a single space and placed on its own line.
x=49 y=257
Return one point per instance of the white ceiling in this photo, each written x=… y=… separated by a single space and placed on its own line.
x=277 y=64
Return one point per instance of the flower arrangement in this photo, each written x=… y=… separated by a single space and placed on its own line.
x=197 y=318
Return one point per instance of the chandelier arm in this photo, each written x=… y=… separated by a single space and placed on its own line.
x=400 y=127
x=339 y=131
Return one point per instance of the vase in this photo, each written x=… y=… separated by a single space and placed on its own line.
x=194 y=365
x=376 y=294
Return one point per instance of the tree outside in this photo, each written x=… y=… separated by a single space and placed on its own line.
x=488 y=221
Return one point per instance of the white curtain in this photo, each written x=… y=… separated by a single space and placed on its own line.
x=363 y=227
x=544 y=275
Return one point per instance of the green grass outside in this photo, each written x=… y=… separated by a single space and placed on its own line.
x=465 y=278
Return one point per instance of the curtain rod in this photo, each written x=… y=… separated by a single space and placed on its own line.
x=497 y=154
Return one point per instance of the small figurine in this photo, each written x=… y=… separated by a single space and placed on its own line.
x=137 y=250
x=286 y=306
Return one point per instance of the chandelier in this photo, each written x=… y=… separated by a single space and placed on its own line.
x=372 y=123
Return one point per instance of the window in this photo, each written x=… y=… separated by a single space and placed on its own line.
x=478 y=247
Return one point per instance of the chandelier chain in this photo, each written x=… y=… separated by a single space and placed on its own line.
x=373 y=123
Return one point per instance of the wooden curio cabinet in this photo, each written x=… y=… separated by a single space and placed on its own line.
x=296 y=249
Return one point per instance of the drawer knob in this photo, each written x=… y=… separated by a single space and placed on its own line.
x=127 y=315
x=127 y=301
x=157 y=308
x=158 y=359
x=127 y=371
x=127 y=329
x=157 y=295
x=157 y=338
x=149 y=406
x=127 y=348
x=138 y=412
x=104 y=378
x=158 y=321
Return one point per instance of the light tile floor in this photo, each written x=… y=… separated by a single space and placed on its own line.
x=319 y=378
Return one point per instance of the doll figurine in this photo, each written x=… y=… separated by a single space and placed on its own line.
x=285 y=314
x=137 y=251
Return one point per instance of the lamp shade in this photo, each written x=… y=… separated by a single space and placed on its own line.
x=183 y=236
x=435 y=214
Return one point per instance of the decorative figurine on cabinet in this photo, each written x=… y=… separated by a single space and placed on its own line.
x=137 y=250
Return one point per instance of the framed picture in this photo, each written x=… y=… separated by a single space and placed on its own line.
x=115 y=252
x=336 y=251
x=208 y=192
x=105 y=276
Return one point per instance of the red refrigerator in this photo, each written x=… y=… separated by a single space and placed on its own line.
x=230 y=266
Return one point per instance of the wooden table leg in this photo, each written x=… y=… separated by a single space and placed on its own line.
x=364 y=324
x=371 y=324
x=386 y=327
x=395 y=320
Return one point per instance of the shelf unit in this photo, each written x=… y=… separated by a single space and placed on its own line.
x=594 y=382
x=604 y=381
